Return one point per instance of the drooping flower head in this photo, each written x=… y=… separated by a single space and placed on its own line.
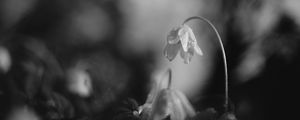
x=182 y=38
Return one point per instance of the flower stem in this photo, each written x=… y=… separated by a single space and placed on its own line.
x=170 y=78
x=168 y=74
x=223 y=52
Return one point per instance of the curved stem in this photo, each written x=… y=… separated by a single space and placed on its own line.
x=170 y=78
x=223 y=52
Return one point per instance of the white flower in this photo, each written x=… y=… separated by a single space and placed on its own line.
x=182 y=38
x=163 y=102
x=168 y=102
x=173 y=103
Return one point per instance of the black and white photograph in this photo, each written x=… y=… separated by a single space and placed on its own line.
x=149 y=59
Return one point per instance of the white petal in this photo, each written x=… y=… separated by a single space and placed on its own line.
x=191 y=34
x=198 y=50
x=162 y=105
x=187 y=56
x=184 y=37
x=177 y=112
x=193 y=41
x=189 y=110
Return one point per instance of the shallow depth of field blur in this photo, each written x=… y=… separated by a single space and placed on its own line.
x=91 y=54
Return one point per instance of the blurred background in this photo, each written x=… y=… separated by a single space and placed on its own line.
x=76 y=59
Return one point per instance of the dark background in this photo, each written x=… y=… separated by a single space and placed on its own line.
x=56 y=45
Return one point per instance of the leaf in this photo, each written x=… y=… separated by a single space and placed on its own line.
x=130 y=104
x=128 y=110
x=53 y=106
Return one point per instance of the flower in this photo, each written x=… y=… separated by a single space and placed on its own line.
x=182 y=38
x=164 y=103
x=168 y=103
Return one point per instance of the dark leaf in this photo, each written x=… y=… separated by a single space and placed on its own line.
x=128 y=110
x=53 y=107
x=130 y=104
